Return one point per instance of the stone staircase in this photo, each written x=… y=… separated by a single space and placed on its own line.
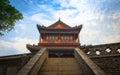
x=61 y=66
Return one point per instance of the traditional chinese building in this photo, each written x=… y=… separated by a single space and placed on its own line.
x=59 y=34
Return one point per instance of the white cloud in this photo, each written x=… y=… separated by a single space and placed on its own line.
x=115 y=26
x=18 y=44
x=4 y=44
x=111 y=39
x=40 y=18
x=22 y=26
x=82 y=12
x=89 y=36
x=72 y=3
x=115 y=15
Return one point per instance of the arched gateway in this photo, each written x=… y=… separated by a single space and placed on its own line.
x=57 y=35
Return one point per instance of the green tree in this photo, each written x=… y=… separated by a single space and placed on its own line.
x=8 y=16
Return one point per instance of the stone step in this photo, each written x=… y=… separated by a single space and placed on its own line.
x=60 y=66
x=61 y=73
x=60 y=61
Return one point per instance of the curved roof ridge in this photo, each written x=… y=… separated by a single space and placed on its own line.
x=58 y=24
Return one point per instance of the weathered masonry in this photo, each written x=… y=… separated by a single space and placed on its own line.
x=106 y=56
x=108 y=61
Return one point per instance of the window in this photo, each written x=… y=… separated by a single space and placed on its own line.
x=47 y=37
x=118 y=50
x=88 y=52
x=62 y=38
x=97 y=52
x=70 y=37
x=65 y=37
x=52 y=37
x=55 y=37
x=108 y=50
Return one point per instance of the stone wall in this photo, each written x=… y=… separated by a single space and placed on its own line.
x=110 y=65
x=106 y=56
x=9 y=65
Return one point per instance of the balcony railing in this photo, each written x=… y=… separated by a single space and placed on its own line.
x=59 y=44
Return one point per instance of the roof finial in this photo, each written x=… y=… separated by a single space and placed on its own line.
x=59 y=18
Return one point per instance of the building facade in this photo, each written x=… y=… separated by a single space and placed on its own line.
x=59 y=34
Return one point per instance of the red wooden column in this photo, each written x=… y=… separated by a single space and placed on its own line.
x=74 y=37
x=78 y=38
x=59 y=38
x=40 y=39
x=44 y=38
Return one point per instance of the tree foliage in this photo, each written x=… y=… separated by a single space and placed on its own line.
x=8 y=16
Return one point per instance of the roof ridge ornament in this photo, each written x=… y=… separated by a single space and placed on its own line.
x=59 y=19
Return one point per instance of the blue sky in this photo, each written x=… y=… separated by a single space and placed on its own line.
x=100 y=19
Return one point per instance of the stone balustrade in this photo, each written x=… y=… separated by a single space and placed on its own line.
x=103 y=50
x=106 y=56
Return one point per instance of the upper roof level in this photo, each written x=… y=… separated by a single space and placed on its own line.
x=59 y=26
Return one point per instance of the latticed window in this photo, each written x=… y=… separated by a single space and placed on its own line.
x=47 y=37
x=67 y=37
x=50 y=37
x=70 y=37
x=56 y=37
x=62 y=37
